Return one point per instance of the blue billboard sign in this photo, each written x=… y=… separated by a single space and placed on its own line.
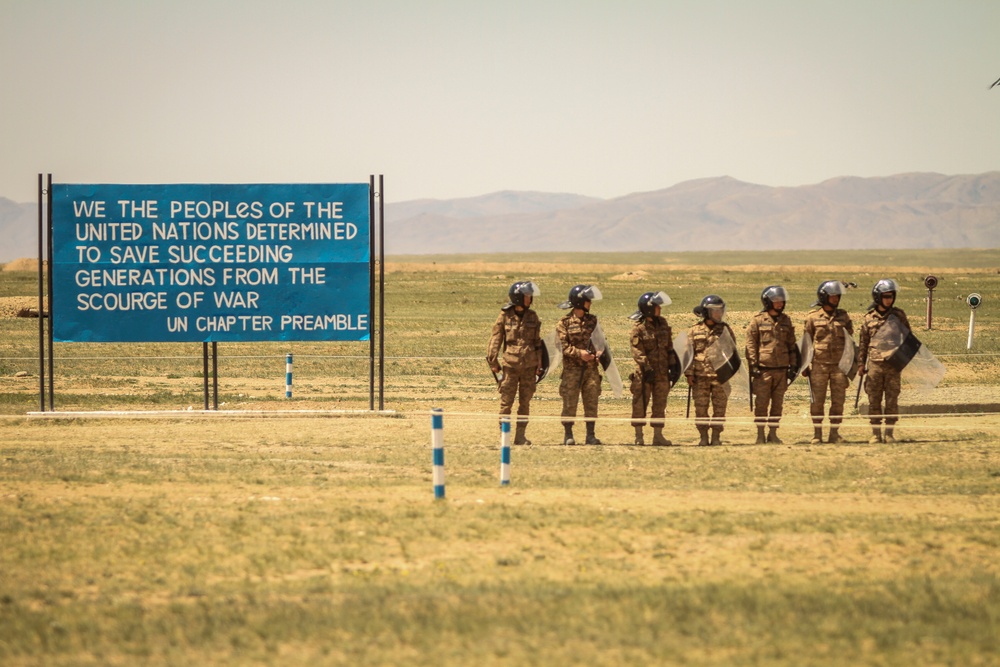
x=199 y=262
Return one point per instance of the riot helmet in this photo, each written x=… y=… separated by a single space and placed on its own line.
x=521 y=289
x=883 y=287
x=771 y=294
x=648 y=303
x=579 y=295
x=712 y=307
x=827 y=289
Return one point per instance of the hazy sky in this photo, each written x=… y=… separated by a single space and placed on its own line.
x=456 y=99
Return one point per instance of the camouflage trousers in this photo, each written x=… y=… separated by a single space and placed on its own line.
x=882 y=383
x=643 y=393
x=705 y=391
x=580 y=380
x=820 y=377
x=520 y=382
x=769 y=397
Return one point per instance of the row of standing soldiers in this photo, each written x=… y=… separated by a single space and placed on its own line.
x=518 y=359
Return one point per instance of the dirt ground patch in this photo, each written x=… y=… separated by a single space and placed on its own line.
x=10 y=306
x=22 y=264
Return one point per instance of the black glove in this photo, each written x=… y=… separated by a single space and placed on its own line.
x=649 y=376
x=792 y=372
x=806 y=372
x=755 y=372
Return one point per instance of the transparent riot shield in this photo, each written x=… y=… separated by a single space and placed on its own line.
x=889 y=339
x=723 y=357
x=924 y=371
x=725 y=360
x=607 y=361
x=848 y=363
x=554 y=347
x=901 y=349
x=546 y=360
x=806 y=351
x=684 y=351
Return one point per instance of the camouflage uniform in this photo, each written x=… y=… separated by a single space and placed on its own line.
x=652 y=350
x=881 y=379
x=829 y=333
x=578 y=376
x=704 y=383
x=770 y=348
x=518 y=337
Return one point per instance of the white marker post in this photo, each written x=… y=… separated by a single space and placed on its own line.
x=974 y=300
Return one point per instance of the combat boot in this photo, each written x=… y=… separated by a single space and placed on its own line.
x=760 y=436
x=591 y=438
x=638 y=436
x=834 y=436
x=772 y=435
x=818 y=435
x=568 y=435
x=716 y=435
x=703 y=432
x=876 y=436
x=519 y=438
x=658 y=439
x=888 y=438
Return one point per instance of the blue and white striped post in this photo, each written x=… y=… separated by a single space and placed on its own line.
x=437 y=442
x=288 y=375
x=505 y=451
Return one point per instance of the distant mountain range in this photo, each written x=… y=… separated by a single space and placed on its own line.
x=18 y=230
x=917 y=210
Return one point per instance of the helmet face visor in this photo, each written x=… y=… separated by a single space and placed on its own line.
x=776 y=293
x=715 y=313
x=659 y=299
x=831 y=287
x=886 y=285
x=591 y=293
x=528 y=288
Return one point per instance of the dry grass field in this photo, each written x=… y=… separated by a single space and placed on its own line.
x=305 y=531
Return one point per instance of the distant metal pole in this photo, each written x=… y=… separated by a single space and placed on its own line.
x=972 y=327
x=204 y=370
x=371 y=291
x=288 y=375
x=215 y=375
x=930 y=307
x=52 y=371
x=41 y=301
x=381 y=293
x=930 y=282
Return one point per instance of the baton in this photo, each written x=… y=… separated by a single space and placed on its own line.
x=496 y=377
x=857 y=397
x=688 y=415
x=750 y=383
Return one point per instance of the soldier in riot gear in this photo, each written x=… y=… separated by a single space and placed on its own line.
x=581 y=375
x=773 y=360
x=656 y=365
x=829 y=329
x=516 y=336
x=715 y=360
x=882 y=380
